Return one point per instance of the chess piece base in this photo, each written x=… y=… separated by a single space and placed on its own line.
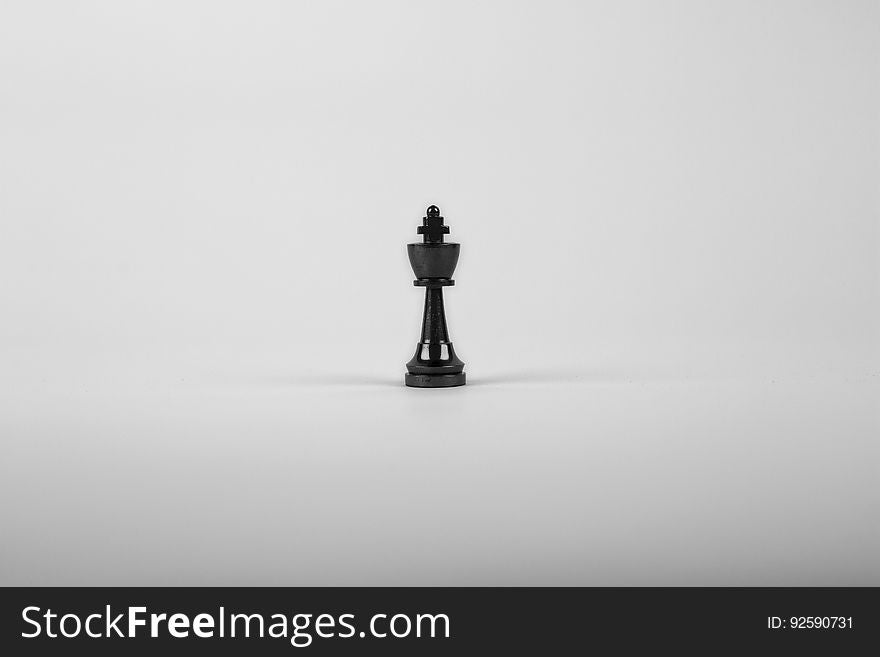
x=434 y=380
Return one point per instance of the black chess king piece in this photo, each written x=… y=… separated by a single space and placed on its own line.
x=435 y=364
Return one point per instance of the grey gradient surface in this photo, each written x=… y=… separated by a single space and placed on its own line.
x=205 y=302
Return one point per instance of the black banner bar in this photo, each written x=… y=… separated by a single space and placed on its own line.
x=428 y=621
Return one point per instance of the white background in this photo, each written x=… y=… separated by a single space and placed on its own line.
x=667 y=297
